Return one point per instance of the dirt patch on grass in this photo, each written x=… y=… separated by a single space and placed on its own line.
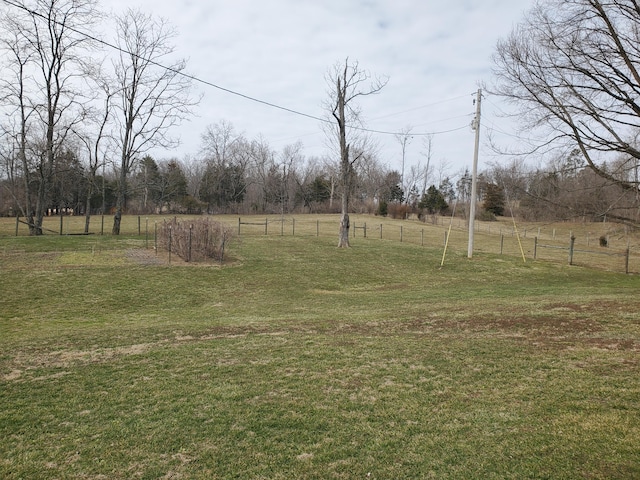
x=150 y=257
x=557 y=325
x=24 y=362
x=144 y=257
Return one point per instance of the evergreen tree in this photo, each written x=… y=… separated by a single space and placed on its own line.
x=433 y=201
x=494 y=199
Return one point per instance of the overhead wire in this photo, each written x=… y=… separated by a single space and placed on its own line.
x=234 y=92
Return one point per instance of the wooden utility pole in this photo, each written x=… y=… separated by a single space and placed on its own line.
x=474 y=175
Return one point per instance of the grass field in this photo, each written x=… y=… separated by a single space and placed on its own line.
x=300 y=360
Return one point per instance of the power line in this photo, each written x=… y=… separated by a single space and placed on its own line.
x=230 y=91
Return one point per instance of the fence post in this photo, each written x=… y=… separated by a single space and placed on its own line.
x=317 y=228
x=169 y=244
x=380 y=231
x=573 y=241
x=61 y=221
x=422 y=237
x=282 y=226
x=102 y=225
x=365 y=230
x=238 y=226
x=138 y=225
x=400 y=233
x=535 y=247
x=293 y=230
x=190 y=236
x=626 y=261
x=146 y=233
x=266 y=222
x=17 y=224
x=155 y=237
x=501 y=243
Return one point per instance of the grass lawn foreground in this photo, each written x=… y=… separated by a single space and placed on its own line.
x=300 y=360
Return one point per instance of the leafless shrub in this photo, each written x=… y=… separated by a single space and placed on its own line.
x=198 y=240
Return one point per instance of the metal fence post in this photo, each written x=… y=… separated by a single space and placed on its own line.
x=626 y=262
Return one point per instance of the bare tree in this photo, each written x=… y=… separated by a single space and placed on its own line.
x=404 y=138
x=227 y=156
x=15 y=96
x=291 y=160
x=427 y=143
x=93 y=139
x=47 y=54
x=348 y=82
x=262 y=161
x=571 y=68
x=152 y=97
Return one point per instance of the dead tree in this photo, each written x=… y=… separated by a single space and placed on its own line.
x=347 y=82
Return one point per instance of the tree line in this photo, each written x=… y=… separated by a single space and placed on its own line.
x=80 y=118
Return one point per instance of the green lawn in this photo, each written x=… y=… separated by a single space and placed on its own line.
x=300 y=360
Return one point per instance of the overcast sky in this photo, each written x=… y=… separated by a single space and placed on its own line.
x=435 y=54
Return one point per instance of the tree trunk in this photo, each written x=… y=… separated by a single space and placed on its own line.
x=87 y=211
x=116 y=220
x=343 y=241
x=120 y=203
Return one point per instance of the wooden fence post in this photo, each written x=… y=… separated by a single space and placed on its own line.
x=317 y=228
x=573 y=241
x=501 y=243
x=266 y=222
x=17 y=224
x=238 y=226
x=535 y=247
x=61 y=221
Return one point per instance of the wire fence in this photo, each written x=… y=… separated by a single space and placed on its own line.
x=564 y=243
